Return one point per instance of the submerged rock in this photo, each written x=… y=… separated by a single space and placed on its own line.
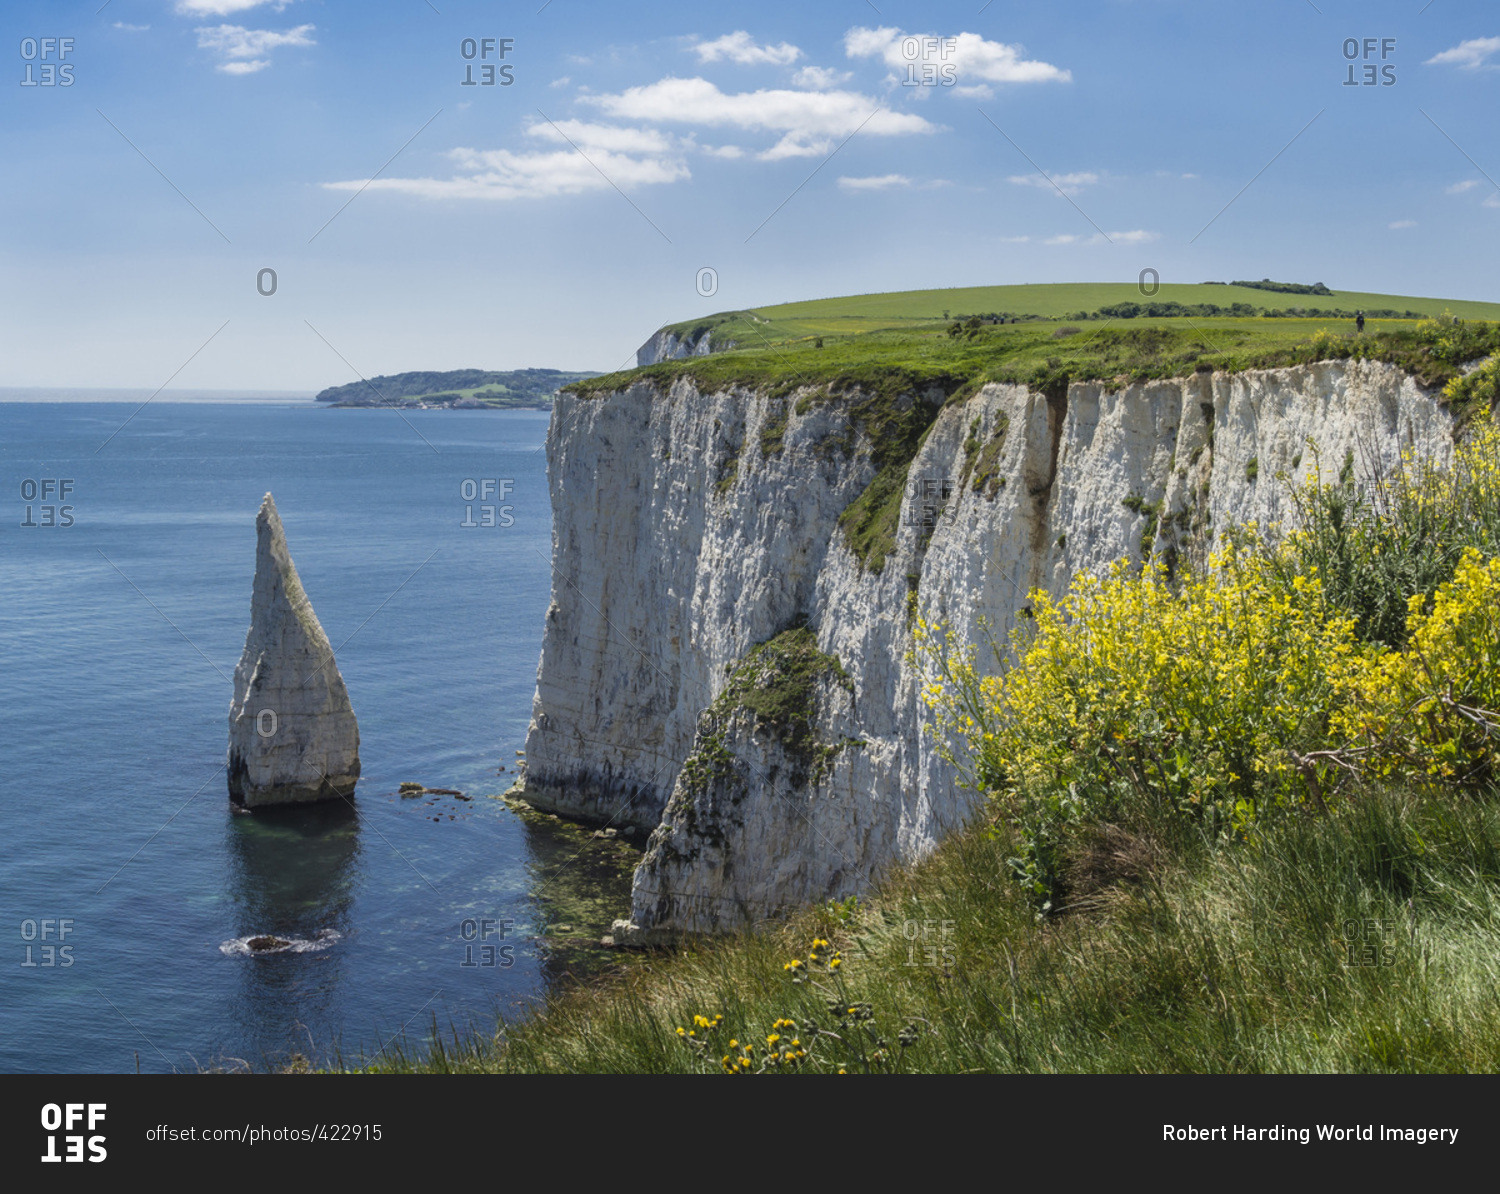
x=266 y=942
x=292 y=733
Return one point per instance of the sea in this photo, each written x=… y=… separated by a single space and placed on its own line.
x=129 y=890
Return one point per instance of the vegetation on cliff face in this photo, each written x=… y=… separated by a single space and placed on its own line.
x=777 y=683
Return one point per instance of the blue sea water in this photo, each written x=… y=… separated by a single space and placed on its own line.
x=119 y=635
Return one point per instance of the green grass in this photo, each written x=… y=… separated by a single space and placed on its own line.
x=1366 y=941
x=852 y=314
x=927 y=355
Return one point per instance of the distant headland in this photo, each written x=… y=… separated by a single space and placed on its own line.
x=456 y=389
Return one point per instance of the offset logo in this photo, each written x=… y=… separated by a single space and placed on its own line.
x=56 y=1117
x=484 y=61
x=43 y=57
x=482 y=936
x=927 y=61
x=1368 y=62
x=43 y=942
x=46 y=501
x=926 y=501
x=491 y=492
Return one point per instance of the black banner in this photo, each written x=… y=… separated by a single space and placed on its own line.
x=152 y=1126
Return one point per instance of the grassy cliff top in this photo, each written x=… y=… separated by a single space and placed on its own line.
x=957 y=357
x=852 y=314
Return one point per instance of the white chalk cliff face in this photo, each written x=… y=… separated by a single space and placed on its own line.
x=666 y=346
x=690 y=527
x=292 y=733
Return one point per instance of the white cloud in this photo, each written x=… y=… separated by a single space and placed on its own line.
x=1068 y=184
x=811 y=122
x=1459 y=188
x=131 y=28
x=975 y=91
x=1492 y=201
x=1470 y=55
x=1136 y=236
x=562 y=82
x=1397 y=225
x=820 y=78
x=880 y=182
x=723 y=151
x=1015 y=240
x=742 y=48
x=222 y=8
x=608 y=138
x=243 y=48
x=970 y=54
x=607 y=156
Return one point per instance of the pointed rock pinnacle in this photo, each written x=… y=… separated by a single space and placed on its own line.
x=292 y=733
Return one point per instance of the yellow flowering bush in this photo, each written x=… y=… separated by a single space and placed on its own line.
x=1375 y=537
x=1431 y=708
x=1132 y=696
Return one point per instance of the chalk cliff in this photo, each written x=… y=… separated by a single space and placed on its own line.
x=667 y=345
x=292 y=732
x=694 y=532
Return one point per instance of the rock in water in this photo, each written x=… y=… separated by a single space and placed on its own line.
x=292 y=733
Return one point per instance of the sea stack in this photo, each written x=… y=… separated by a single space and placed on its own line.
x=292 y=733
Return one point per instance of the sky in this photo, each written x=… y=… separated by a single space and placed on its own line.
x=291 y=194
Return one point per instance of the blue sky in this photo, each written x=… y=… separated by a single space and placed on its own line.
x=558 y=220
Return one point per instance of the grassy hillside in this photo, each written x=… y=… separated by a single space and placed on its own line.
x=909 y=309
